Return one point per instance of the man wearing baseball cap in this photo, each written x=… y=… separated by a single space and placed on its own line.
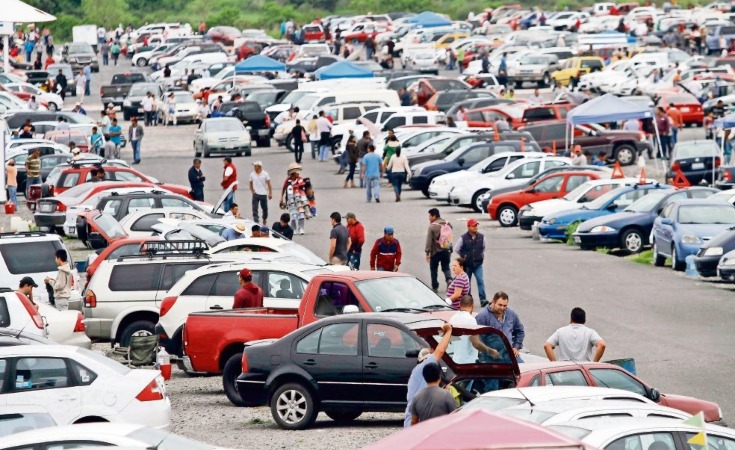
x=250 y=295
x=260 y=187
x=471 y=247
x=26 y=287
x=386 y=252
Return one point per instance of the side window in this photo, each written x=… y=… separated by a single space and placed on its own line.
x=3 y=374
x=228 y=283
x=575 y=181
x=124 y=176
x=495 y=165
x=527 y=170
x=668 y=211
x=137 y=204
x=703 y=193
x=4 y=314
x=310 y=343
x=112 y=206
x=83 y=376
x=474 y=156
x=135 y=277
x=394 y=122
x=284 y=285
x=201 y=286
x=337 y=339
x=713 y=442
x=476 y=116
x=420 y=119
x=617 y=379
x=351 y=113
x=68 y=180
x=626 y=199
x=41 y=373
x=565 y=378
x=124 y=250
x=596 y=192
x=332 y=299
x=535 y=381
x=501 y=149
x=647 y=441
x=146 y=222
x=552 y=184
x=538 y=114
x=184 y=216
x=167 y=202
x=385 y=341
x=173 y=273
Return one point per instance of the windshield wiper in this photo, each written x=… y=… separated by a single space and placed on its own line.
x=437 y=306
x=403 y=310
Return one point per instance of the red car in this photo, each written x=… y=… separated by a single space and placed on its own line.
x=519 y=114
x=690 y=108
x=361 y=31
x=313 y=32
x=76 y=175
x=566 y=373
x=504 y=207
x=225 y=35
x=68 y=136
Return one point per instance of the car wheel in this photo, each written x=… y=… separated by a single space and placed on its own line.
x=343 y=416
x=248 y=152
x=625 y=155
x=632 y=241
x=675 y=263
x=137 y=328
x=658 y=259
x=519 y=84
x=476 y=202
x=289 y=143
x=232 y=370
x=141 y=62
x=546 y=81
x=292 y=407
x=126 y=116
x=507 y=216
x=53 y=106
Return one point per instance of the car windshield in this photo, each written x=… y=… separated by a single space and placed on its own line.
x=104 y=361
x=109 y=225
x=493 y=403
x=218 y=125
x=707 y=214
x=139 y=90
x=581 y=189
x=183 y=97
x=530 y=414
x=80 y=47
x=534 y=59
x=600 y=201
x=575 y=432
x=399 y=293
x=301 y=252
x=647 y=202
x=293 y=97
x=12 y=423
x=695 y=149
x=163 y=440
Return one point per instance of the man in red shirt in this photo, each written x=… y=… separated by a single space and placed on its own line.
x=386 y=252
x=250 y=295
x=229 y=176
x=357 y=239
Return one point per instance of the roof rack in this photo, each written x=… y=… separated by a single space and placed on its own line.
x=23 y=234
x=5 y=289
x=149 y=249
x=87 y=162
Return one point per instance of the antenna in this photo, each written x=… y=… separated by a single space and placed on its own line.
x=533 y=405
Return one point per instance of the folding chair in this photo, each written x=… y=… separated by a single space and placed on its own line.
x=141 y=351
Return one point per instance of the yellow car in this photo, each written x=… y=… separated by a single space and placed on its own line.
x=449 y=38
x=576 y=67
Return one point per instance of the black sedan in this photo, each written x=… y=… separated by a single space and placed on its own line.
x=708 y=257
x=354 y=363
x=697 y=160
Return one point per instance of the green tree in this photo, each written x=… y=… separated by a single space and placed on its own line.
x=107 y=13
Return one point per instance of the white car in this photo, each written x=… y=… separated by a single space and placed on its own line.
x=20 y=418
x=53 y=102
x=9 y=102
x=269 y=245
x=139 y=223
x=65 y=327
x=141 y=59
x=107 y=435
x=19 y=313
x=423 y=61
x=206 y=83
x=442 y=185
x=604 y=79
x=186 y=107
x=77 y=385
x=575 y=199
x=468 y=193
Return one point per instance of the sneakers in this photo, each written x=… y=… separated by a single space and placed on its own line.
x=377 y=200
x=301 y=231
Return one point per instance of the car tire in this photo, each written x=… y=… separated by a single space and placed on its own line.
x=205 y=153
x=137 y=328
x=519 y=84
x=476 y=203
x=343 y=416
x=545 y=81
x=232 y=370
x=249 y=152
x=658 y=259
x=293 y=407
x=53 y=106
x=632 y=240
x=675 y=263
x=625 y=155
x=141 y=62
x=507 y=216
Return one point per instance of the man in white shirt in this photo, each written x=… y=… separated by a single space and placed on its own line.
x=81 y=81
x=536 y=98
x=324 y=126
x=632 y=125
x=468 y=347
x=260 y=187
x=575 y=342
x=147 y=104
x=62 y=124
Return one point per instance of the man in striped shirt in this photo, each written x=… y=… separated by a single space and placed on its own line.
x=33 y=170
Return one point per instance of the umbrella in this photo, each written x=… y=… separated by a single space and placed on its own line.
x=476 y=429
x=17 y=11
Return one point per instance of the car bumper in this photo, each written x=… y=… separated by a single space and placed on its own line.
x=184 y=363
x=155 y=414
x=97 y=328
x=440 y=192
x=78 y=339
x=49 y=219
x=695 y=176
x=252 y=389
x=707 y=265
x=526 y=77
x=526 y=222
x=133 y=111
x=458 y=200
x=260 y=133
x=117 y=101
x=726 y=273
x=558 y=232
x=225 y=149
x=418 y=182
x=684 y=250
x=607 y=239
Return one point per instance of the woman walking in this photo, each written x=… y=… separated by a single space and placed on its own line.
x=352 y=157
x=400 y=172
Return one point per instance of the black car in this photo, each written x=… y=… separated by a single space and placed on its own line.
x=463 y=158
x=132 y=104
x=253 y=117
x=697 y=160
x=708 y=256
x=311 y=65
x=446 y=148
x=445 y=99
x=80 y=54
x=48 y=162
x=37 y=77
x=267 y=97
x=353 y=363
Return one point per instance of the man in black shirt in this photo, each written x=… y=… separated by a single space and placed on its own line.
x=61 y=82
x=283 y=227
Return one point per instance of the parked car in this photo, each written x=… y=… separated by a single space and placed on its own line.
x=534 y=68
x=79 y=55
x=221 y=135
x=630 y=229
x=65 y=327
x=697 y=160
x=140 y=223
x=131 y=106
x=709 y=255
x=444 y=100
x=120 y=86
x=687 y=104
x=517 y=114
x=48 y=162
x=185 y=110
x=683 y=226
x=25 y=91
x=726 y=267
x=66 y=69
x=446 y=148
x=251 y=114
x=576 y=67
x=18 y=312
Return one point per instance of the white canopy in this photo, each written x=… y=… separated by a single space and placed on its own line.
x=15 y=11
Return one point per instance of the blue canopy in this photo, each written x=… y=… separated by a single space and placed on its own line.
x=342 y=69
x=259 y=63
x=608 y=108
x=726 y=122
x=428 y=19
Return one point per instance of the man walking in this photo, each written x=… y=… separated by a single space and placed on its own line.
x=260 y=187
x=81 y=81
x=250 y=295
x=498 y=315
x=386 y=252
x=88 y=75
x=339 y=240
x=325 y=132
x=432 y=401
x=61 y=83
x=229 y=176
x=357 y=240
x=147 y=104
x=33 y=170
x=196 y=180
x=298 y=133
x=438 y=247
x=372 y=168
x=471 y=247
x=110 y=150
x=575 y=342
x=362 y=149
x=135 y=135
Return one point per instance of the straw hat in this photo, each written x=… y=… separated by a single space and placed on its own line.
x=294 y=167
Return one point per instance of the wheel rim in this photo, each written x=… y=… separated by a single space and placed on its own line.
x=140 y=333
x=547 y=81
x=673 y=257
x=633 y=242
x=291 y=406
x=507 y=216
x=52 y=107
x=625 y=156
x=478 y=201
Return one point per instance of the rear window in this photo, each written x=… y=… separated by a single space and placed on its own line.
x=173 y=273
x=68 y=180
x=135 y=277
x=592 y=63
x=127 y=78
x=17 y=261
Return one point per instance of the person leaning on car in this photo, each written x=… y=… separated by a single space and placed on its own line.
x=575 y=342
x=26 y=288
x=250 y=295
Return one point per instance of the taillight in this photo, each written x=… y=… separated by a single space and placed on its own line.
x=32 y=310
x=166 y=304
x=79 y=326
x=244 y=363
x=60 y=207
x=267 y=121
x=90 y=300
x=676 y=167
x=717 y=162
x=726 y=175
x=152 y=392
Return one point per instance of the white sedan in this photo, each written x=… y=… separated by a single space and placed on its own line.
x=79 y=385
x=140 y=223
x=53 y=101
x=65 y=327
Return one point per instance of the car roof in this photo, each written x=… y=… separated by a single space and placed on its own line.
x=700 y=202
x=39 y=350
x=634 y=425
x=408 y=319
x=564 y=405
x=82 y=431
x=548 y=393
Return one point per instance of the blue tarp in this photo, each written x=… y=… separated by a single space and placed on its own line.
x=259 y=63
x=607 y=108
x=342 y=69
x=428 y=19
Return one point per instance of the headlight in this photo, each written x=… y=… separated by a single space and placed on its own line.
x=713 y=251
x=211 y=141
x=729 y=262
x=416 y=172
x=127 y=103
x=552 y=221
x=602 y=229
x=245 y=138
x=690 y=239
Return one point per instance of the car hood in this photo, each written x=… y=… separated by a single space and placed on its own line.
x=554 y=205
x=706 y=230
x=224 y=134
x=726 y=240
x=616 y=220
x=461 y=175
x=576 y=215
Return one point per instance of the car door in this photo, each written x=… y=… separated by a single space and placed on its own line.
x=664 y=234
x=572 y=182
x=524 y=171
x=331 y=354
x=282 y=290
x=46 y=381
x=222 y=294
x=172 y=273
x=389 y=356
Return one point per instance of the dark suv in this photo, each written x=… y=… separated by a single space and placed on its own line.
x=79 y=54
x=15 y=121
x=253 y=117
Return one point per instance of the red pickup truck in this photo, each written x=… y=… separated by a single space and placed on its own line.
x=213 y=340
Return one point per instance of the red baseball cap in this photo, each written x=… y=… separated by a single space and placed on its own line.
x=472 y=223
x=246 y=273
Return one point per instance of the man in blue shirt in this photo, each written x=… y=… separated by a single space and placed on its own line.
x=88 y=76
x=498 y=315
x=372 y=168
x=115 y=132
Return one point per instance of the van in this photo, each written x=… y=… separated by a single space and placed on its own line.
x=315 y=100
x=407 y=118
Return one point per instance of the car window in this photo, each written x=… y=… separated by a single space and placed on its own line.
x=502 y=149
x=475 y=155
x=626 y=199
x=714 y=442
x=83 y=376
x=41 y=373
x=125 y=176
x=173 y=273
x=595 y=192
x=495 y=165
x=135 y=277
x=168 y=202
x=420 y=119
x=533 y=114
x=4 y=314
x=228 y=283
x=139 y=204
x=527 y=170
x=565 y=378
x=111 y=206
x=644 y=441
x=201 y=286
x=124 y=250
x=535 y=381
x=3 y=369
x=351 y=113
x=575 y=181
x=617 y=379
x=703 y=193
x=554 y=132
x=552 y=184
x=146 y=222
x=332 y=298
x=668 y=210
x=284 y=285
x=185 y=216
x=385 y=341
x=17 y=261
x=337 y=339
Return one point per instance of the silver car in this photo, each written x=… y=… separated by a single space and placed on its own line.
x=222 y=135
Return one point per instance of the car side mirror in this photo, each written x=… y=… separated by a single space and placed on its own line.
x=612 y=207
x=96 y=241
x=666 y=221
x=654 y=395
x=531 y=191
x=460 y=161
x=412 y=353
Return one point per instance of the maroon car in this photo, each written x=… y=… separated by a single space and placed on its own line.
x=225 y=35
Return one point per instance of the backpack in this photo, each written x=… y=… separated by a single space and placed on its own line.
x=445 y=236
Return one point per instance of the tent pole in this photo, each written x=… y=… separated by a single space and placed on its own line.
x=658 y=140
x=6 y=53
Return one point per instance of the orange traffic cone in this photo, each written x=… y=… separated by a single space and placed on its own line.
x=553 y=147
x=680 y=181
x=617 y=171
x=642 y=178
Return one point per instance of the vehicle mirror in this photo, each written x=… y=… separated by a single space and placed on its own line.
x=612 y=207
x=96 y=241
x=350 y=309
x=654 y=395
x=412 y=353
x=531 y=191
x=666 y=221
x=510 y=176
x=460 y=161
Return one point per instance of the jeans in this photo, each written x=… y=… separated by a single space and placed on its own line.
x=351 y=173
x=105 y=59
x=359 y=164
x=665 y=148
x=261 y=200
x=398 y=179
x=674 y=136
x=86 y=87
x=442 y=258
x=353 y=259
x=198 y=194
x=323 y=152
x=13 y=195
x=29 y=182
x=229 y=200
x=298 y=150
x=136 y=150
x=480 y=278
x=459 y=65
x=373 y=186
x=148 y=118
x=314 y=146
x=369 y=51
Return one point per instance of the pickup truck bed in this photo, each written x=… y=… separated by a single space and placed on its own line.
x=119 y=86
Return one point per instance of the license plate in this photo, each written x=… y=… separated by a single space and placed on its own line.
x=45 y=207
x=577 y=240
x=697 y=166
x=263 y=132
x=140 y=110
x=684 y=109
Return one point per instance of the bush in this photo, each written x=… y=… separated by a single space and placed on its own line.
x=571 y=229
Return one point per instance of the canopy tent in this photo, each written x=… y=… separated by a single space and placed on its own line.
x=342 y=69
x=726 y=123
x=15 y=11
x=428 y=19
x=259 y=63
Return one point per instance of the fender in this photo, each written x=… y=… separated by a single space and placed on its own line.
x=125 y=313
